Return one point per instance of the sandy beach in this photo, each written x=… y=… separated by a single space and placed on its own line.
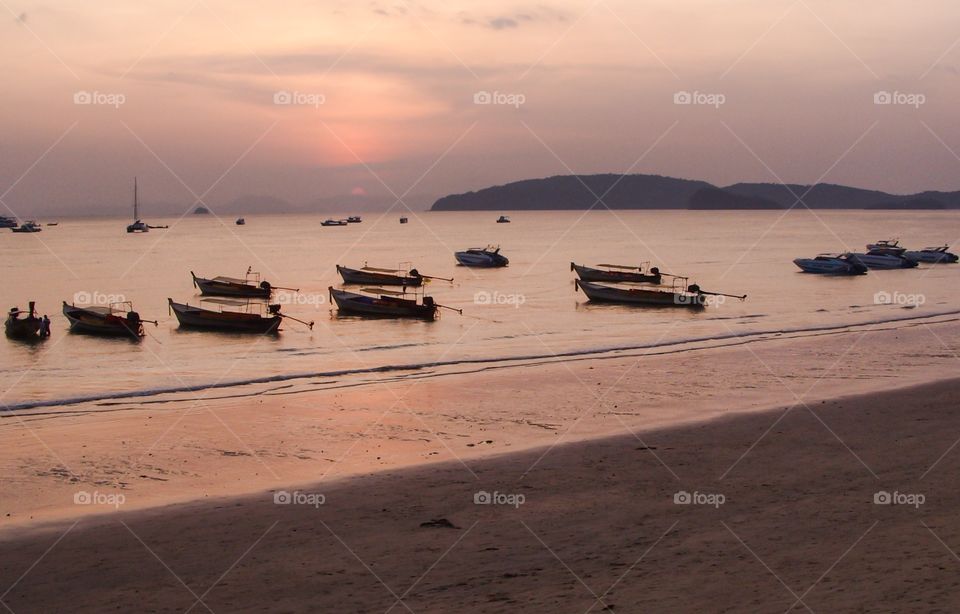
x=586 y=496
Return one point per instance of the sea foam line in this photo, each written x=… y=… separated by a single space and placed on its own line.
x=284 y=377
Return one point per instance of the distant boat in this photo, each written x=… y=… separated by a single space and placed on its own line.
x=137 y=225
x=201 y=210
x=404 y=220
x=482 y=257
x=354 y=219
x=249 y=287
x=887 y=246
x=882 y=259
x=384 y=277
x=116 y=320
x=617 y=273
x=29 y=328
x=932 y=254
x=832 y=264
x=241 y=221
x=334 y=223
x=7 y=222
x=503 y=220
x=29 y=226
x=53 y=223
x=380 y=302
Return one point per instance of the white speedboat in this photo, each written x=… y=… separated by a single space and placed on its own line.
x=879 y=259
x=832 y=264
x=482 y=257
x=932 y=254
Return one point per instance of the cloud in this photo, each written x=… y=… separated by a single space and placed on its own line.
x=502 y=23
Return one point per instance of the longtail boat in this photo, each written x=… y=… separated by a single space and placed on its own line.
x=680 y=295
x=240 y=318
x=384 y=277
x=249 y=287
x=380 y=302
x=117 y=319
x=617 y=273
x=29 y=328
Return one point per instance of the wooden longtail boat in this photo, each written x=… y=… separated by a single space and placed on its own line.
x=238 y=321
x=617 y=273
x=380 y=302
x=117 y=319
x=29 y=328
x=379 y=276
x=680 y=295
x=249 y=287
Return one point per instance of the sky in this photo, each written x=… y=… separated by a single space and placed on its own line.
x=328 y=104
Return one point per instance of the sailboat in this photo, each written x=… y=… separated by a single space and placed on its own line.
x=137 y=225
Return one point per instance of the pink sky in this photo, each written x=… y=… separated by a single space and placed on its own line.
x=308 y=101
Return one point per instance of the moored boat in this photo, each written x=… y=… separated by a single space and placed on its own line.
x=617 y=273
x=7 y=222
x=241 y=221
x=380 y=302
x=249 y=287
x=932 y=254
x=334 y=223
x=240 y=317
x=887 y=246
x=832 y=264
x=380 y=276
x=482 y=257
x=404 y=220
x=138 y=225
x=116 y=319
x=677 y=297
x=29 y=226
x=29 y=328
x=503 y=220
x=354 y=219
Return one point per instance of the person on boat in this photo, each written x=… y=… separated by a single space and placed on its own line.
x=44 y=327
x=14 y=313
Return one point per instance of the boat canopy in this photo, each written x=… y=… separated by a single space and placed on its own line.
x=625 y=266
x=383 y=291
x=231 y=280
x=226 y=301
x=379 y=270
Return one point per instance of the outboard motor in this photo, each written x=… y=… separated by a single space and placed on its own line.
x=265 y=285
x=273 y=309
x=428 y=301
x=414 y=273
x=135 y=324
x=655 y=271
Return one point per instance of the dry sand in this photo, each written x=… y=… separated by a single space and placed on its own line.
x=599 y=528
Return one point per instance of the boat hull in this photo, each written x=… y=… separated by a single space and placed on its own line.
x=93 y=322
x=931 y=256
x=829 y=267
x=212 y=287
x=591 y=274
x=23 y=329
x=230 y=321
x=885 y=261
x=481 y=259
x=355 y=276
x=640 y=296
x=382 y=307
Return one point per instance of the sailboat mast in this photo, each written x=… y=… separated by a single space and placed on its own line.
x=136 y=214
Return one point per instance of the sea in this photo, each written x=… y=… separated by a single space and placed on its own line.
x=527 y=310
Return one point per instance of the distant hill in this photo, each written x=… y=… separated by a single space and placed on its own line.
x=578 y=192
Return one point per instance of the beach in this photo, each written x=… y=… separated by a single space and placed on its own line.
x=751 y=485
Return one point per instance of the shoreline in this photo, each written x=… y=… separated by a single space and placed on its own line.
x=598 y=526
x=232 y=447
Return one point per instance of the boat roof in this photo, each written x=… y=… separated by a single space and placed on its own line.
x=624 y=266
x=225 y=301
x=232 y=280
x=378 y=269
x=383 y=291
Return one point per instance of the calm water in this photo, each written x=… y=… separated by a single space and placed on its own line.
x=535 y=309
